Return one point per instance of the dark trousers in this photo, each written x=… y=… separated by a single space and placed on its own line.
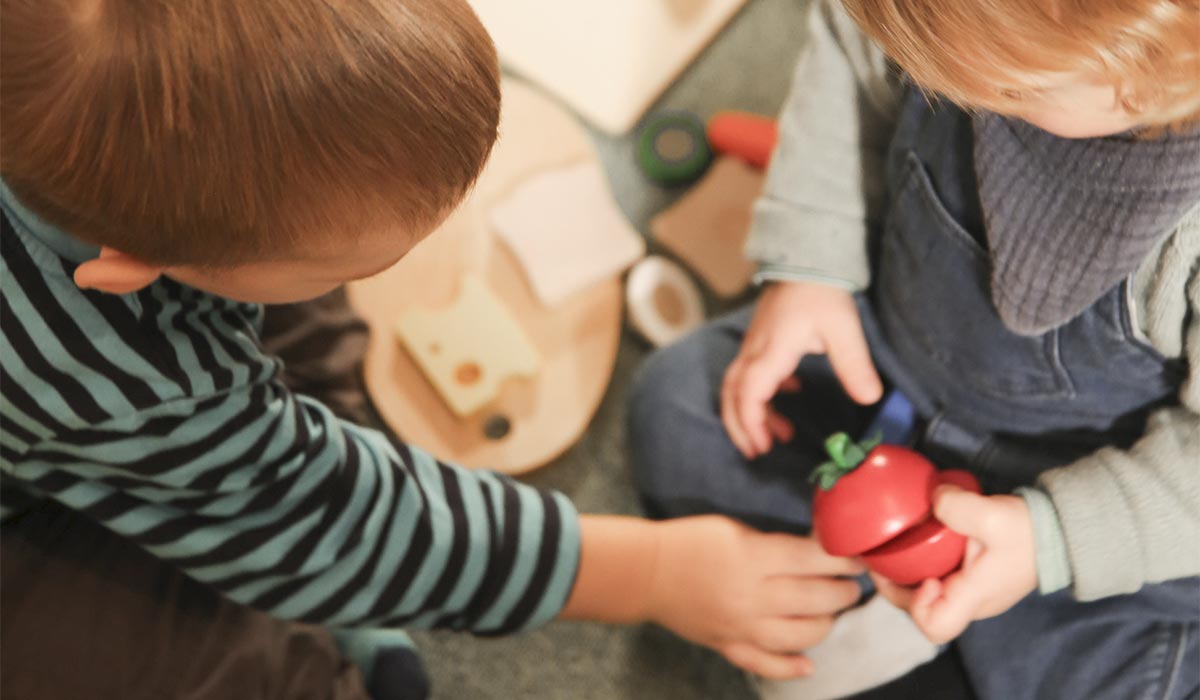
x=86 y=614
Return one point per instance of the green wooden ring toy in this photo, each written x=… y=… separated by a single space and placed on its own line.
x=672 y=149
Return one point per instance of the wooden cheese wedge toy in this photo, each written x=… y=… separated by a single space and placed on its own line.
x=446 y=344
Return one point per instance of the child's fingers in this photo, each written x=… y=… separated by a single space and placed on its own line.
x=800 y=596
x=963 y=511
x=780 y=428
x=789 y=636
x=846 y=347
x=757 y=386
x=926 y=594
x=900 y=596
x=729 y=408
x=793 y=555
x=767 y=664
x=945 y=610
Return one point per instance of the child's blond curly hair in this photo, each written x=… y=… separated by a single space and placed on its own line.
x=989 y=53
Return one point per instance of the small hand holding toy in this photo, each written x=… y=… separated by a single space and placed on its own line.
x=910 y=524
x=999 y=569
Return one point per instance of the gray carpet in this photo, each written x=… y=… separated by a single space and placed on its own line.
x=748 y=67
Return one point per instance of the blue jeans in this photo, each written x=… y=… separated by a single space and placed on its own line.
x=1128 y=647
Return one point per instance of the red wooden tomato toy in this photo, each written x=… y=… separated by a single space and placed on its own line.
x=875 y=501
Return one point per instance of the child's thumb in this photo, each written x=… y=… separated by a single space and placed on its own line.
x=963 y=511
x=851 y=361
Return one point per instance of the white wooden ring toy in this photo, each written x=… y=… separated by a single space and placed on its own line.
x=664 y=303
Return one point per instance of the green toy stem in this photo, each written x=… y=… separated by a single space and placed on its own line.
x=844 y=457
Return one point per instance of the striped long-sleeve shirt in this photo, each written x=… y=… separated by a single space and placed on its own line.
x=158 y=414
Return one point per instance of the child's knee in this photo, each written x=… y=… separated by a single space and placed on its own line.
x=649 y=393
x=669 y=386
x=681 y=377
x=673 y=411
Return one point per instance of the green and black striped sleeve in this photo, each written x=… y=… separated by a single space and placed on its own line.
x=158 y=414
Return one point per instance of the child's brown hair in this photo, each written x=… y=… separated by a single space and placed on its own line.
x=983 y=53
x=218 y=132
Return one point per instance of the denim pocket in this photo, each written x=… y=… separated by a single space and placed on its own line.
x=934 y=294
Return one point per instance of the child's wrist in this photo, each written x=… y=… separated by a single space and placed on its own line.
x=651 y=604
x=619 y=558
x=1050 y=544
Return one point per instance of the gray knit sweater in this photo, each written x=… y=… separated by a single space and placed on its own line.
x=1104 y=525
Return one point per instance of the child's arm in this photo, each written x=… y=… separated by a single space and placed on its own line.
x=1118 y=519
x=269 y=498
x=825 y=189
x=823 y=196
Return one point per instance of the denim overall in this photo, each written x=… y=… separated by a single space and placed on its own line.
x=1003 y=405
x=1009 y=406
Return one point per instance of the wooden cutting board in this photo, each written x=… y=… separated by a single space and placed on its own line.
x=576 y=340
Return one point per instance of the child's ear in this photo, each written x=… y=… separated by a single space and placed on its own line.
x=115 y=272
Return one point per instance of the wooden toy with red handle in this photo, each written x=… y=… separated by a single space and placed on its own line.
x=749 y=137
x=875 y=501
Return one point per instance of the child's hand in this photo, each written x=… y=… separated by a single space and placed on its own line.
x=758 y=599
x=999 y=568
x=792 y=319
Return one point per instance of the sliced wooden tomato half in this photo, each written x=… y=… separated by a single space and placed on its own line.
x=876 y=501
x=929 y=550
x=880 y=497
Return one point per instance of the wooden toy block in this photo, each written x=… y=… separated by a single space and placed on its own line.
x=707 y=227
x=566 y=231
x=468 y=350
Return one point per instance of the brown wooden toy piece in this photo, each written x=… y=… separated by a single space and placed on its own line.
x=707 y=227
